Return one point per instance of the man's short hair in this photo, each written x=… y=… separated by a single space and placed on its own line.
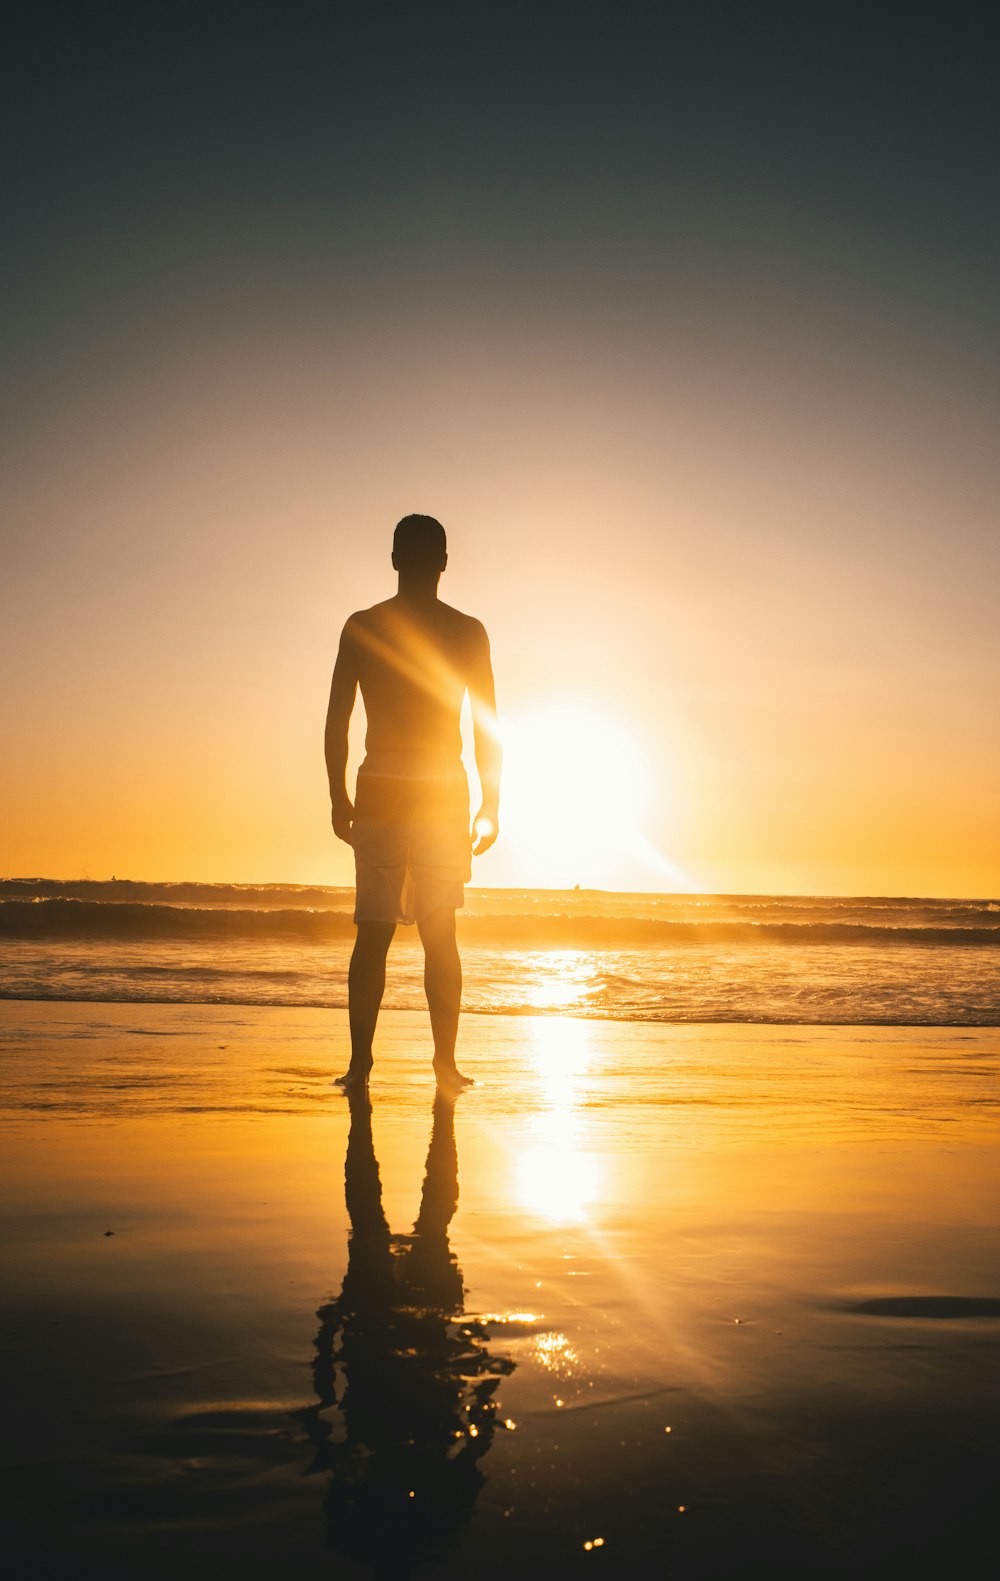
x=420 y=540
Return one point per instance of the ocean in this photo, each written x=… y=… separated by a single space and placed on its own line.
x=809 y=960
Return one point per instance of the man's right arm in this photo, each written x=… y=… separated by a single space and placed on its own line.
x=343 y=690
x=489 y=755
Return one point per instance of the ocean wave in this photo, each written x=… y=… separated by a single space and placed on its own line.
x=892 y=911
x=50 y=918
x=89 y=919
x=742 y=1015
x=181 y=893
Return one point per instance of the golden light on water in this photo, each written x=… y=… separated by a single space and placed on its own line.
x=565 y=978
x=555 y=1353
x=557 y=1178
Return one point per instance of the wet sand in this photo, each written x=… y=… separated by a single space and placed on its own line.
x=709 y=1299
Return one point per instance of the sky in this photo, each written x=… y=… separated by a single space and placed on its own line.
x=681 y=318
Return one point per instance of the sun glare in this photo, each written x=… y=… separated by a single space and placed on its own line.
x=574 y=792
x=558 y=1178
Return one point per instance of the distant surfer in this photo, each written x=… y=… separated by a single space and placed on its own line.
x=414 y=658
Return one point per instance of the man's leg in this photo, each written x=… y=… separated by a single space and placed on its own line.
x=365 y=987
x=443 y=987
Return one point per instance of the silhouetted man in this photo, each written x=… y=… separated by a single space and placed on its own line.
x=414 y=659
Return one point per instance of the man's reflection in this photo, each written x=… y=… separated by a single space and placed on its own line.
x=413 y=1382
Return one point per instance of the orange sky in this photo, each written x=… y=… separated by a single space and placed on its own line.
x=716 y=460
x=800 y=655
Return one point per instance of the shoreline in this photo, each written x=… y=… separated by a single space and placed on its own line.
x=516 y=1012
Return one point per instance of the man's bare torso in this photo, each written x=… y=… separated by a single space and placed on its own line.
x=414 y=663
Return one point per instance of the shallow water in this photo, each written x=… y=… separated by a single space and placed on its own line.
x=804 y=960
x=781 y=1245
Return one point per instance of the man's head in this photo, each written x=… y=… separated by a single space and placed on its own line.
x=419 y=546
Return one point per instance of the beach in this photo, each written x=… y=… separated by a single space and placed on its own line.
x=657 y=1299
x=500 y=529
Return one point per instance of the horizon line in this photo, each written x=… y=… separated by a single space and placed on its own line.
x=509 y=889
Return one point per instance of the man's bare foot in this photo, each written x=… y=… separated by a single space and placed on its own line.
x=450 y=1081
x=353 y=1082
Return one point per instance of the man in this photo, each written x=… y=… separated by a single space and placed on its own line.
x=414 y=659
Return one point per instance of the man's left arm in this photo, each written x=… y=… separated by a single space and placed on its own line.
x=489 y=755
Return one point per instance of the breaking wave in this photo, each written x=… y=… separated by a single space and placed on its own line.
x=66 y=918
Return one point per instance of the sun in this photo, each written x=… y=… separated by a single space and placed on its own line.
x=574 y=793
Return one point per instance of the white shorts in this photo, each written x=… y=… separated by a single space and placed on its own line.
x=412 y=846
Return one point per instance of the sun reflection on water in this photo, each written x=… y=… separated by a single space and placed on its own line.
x=556 y=1354
x=561 y=979
x=556 y=1177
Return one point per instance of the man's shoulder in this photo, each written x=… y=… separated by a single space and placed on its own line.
x=464 y=626
x=460 y=633
x=365 y=619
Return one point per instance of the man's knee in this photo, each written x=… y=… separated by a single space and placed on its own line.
x=437 y=931
x=374 y=938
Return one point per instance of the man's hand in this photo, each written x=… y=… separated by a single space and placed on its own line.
x=485 y=829
x=342 y=817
